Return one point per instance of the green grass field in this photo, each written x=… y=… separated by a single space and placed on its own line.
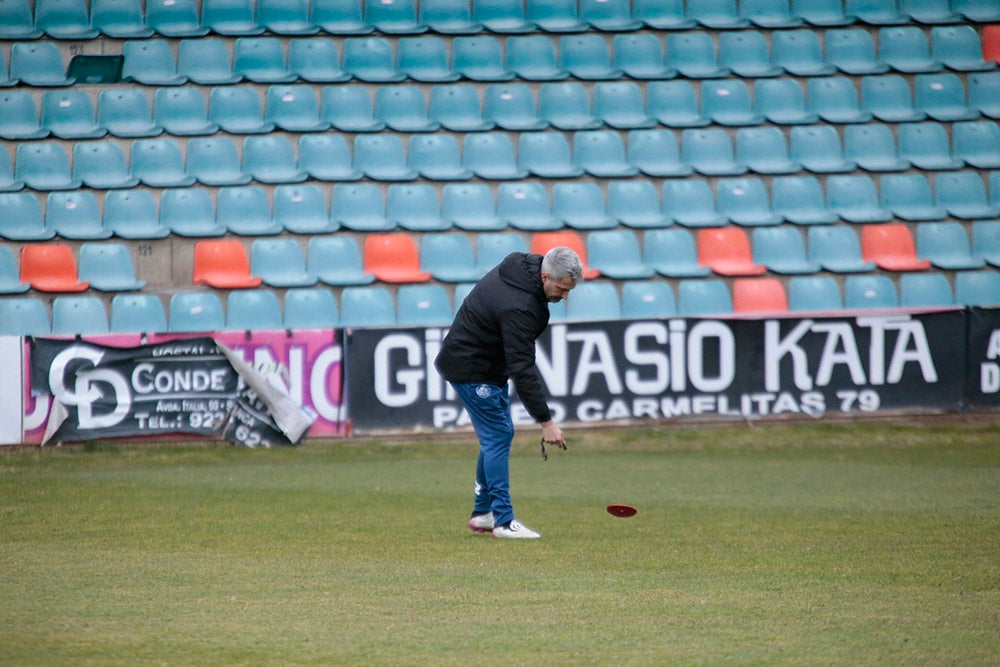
x=846 y=544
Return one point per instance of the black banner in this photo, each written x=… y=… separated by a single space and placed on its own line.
x=181 y=386
x=670 y=369
x=983 y=375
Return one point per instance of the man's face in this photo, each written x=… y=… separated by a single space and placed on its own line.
x=556 y=290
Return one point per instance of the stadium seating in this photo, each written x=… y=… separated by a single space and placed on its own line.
x=759 y=295
x=191 y=312
x=726 y=250
x=222 y=264
x=393 y=258
x=10 y=279
x=137 y=313
x=50 y=267
x=253 y=310
x=642 y=299
x=79 y=315
x=672 y=253
x=310 y=308
x=108 y=267
x=423 y=305
x=336 y=260
x=189 y=212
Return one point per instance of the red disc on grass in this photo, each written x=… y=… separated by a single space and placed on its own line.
x=621 y=510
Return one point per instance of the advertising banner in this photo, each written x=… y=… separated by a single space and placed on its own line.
x=678 y=368
x=192 y=385
x=304 y=364
x=983 y=374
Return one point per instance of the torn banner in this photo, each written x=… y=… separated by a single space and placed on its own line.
x=193 y=385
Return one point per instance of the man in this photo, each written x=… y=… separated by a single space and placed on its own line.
x=491 y=341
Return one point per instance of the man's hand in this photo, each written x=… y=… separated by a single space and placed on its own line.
x=553 y=435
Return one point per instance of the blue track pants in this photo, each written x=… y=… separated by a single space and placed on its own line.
x=489 y=410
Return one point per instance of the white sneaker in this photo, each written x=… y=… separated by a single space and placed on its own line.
x=515 y=529
x=481 y=523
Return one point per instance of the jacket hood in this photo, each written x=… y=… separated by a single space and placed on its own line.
x=523 y=271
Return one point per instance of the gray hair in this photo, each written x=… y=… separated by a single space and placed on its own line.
x=562 y=262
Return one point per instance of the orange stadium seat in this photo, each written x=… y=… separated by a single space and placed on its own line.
x=223 y=264
x=393 y=258
x=50 y=267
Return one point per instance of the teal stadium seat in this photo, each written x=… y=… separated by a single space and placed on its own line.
x=237 y=110
x=189 y=212
x=946 y=246
x=366 y=307
x=423 y=305
x=703 y=297
x=782 y=250
x=818 y=149
x=727 y=102
x=769 y=13
x=64 y=19
x=554 y=15
x=371 y=59
x=693 y=55
x=286 y=17
x=746 y=54
x=799 y=53
x=195 y=312
x=174 y=18
x=593 y=301
x=133 y=214
x=566 y=106
x=925 y=290
x=647 y=299
x=261 y=60
x=230 y=17
x=927 y=146
x=414 y=207
x=339 y=18
x=855 y=198
x=655 y=152
x=245 y=211
x=359 y=207
x=394 y=16
x=888 y=98
x=24 y=316
x=315 y=59
x=470 y=206
x=640 y=56
x=717 y=14
x=7 y=181
x=122 y=19
x=616 y=254
x=449 y=258
x=294 y=108
x=547 y=155
x=349 y=109
x=822 y=12
x=983 y=11
x=909 y=197
x=986 y=240
x=942 y=97
x=182 y=112
x=457 y=108
x=800 y=199
x=490 y=155
x=137 y=313
x=437 y=157
x=587 y=56
x=492 y=248
x=19 y=117
x=310 y=308
x=662 y=14
x=43 y=166
x=150 y=62
x=382 y=157
x=101 y=165
x=963 y=194
x=271 y=158
x=870 y=293
x=69 y=114
x=977 y=143
x=608 y=15
x=302 y=209
x=253 y=310
x=852 y=51
x=672 y=253
x=501 y=16
x=403 y=109
x=479 y=58
x=75 y=215
x=526 y=206
x=690 y=202
x=206 y=61
x=126 y=113
x=745 y=201
x=448 y=16
x=17 y=21
x=906 y=49
x=875 y=12
x=424 y=59
x=580 y=206
x=836 y=248
x=327 y=157
x=533 y=57
x=621 y=105
x=782 y=101
x=635 y=203
x=511 y=106
x=159 y=163
x=280 y=262
x=79 y=315
x=814 y=294
x=873 y=148
x=336 y=260
x=21 y=217
x=10 y=279
x=215 y=161
x=38 y=64
x=764 y=150
x=959 y=48
x=601 y=153
x=984 y=93
x=835 y=100
x=975 y=288
x=710 y=151
x=929 y=11
x=108 y=267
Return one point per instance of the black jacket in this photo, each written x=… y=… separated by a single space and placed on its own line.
x=493 y=336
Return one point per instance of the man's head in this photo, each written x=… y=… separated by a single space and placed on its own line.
x=562 y=270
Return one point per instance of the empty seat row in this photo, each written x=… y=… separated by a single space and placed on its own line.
x=70 y=114
x=431 y=305
x=52 y=267
x=273 y=158
x=590 y=57
x=72 y=19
